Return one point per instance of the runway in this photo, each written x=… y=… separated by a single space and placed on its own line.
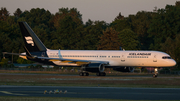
x=93 y=92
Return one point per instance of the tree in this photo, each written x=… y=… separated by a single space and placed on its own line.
x=109 y=40
x=37 y=16
x=4 y=14
x=17 y=13
x=64 y=12
x=171 y=46
x=44 y=34
x=165 y=24
x=23 y=61
x=140 y=24
x=177 y=3
x=128 y=40
x=4 y=62
x=119 y=17
x=10 y=40
x=120 y=24
x=91 y=34
x=66 y=36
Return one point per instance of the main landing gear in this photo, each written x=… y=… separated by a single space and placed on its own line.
x=83 y=74
x=87 y=74
x=101 y=74
x=155 y=72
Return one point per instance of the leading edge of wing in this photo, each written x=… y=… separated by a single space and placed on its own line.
x=76 y=61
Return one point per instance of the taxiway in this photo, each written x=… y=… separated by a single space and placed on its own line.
x=93 y=92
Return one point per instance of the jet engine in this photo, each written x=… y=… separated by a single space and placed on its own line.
x=124 y=69
x=94 y=67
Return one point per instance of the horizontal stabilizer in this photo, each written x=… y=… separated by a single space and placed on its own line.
x=14 y=54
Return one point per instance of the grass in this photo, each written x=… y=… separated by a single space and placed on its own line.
x=112 y=80
x=12 y=98
x=92 y=81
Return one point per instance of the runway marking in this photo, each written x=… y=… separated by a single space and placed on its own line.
x=5 y=92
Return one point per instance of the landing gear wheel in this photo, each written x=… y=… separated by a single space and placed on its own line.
x=155 y=75
x=87 y=74
x=81 y=74
x=101 y=74
x=97 y=74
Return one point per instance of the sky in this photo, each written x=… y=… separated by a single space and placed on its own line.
x=105 y=10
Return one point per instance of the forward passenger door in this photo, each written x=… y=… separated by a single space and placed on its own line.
x=154 y=58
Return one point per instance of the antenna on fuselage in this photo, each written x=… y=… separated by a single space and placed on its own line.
x=120 y=48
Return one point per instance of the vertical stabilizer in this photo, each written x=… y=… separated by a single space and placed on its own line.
x=32 y=42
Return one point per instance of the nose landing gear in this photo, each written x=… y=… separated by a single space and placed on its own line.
x=155 y=72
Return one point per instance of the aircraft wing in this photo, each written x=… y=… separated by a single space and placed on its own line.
x=75 y=61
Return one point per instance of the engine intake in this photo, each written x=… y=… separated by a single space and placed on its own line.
x=94 y=67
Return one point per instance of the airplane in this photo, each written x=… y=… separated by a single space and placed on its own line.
x=94 y=61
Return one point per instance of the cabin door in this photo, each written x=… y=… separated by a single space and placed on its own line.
x=155 y=58
x=122 y=58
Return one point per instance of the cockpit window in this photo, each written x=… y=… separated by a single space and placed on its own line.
x=166 y=57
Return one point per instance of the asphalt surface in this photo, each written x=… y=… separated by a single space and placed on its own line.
x=142 y=76
x=93 y=92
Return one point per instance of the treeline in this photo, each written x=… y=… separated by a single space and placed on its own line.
x=157 y=30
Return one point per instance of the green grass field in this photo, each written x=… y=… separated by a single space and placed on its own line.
x=130 y=80
x=112 y=80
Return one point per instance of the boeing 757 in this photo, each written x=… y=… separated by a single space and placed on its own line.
x=91 y=60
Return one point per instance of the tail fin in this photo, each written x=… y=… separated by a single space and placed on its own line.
x=32 y=42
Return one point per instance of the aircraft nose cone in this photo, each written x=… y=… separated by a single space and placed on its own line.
x=173 y=62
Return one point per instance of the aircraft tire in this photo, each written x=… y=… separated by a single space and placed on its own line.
x=97 y=74
x=87 y=74
x=101 y=74
x=104 y=74
x=81 y=74
x=154 y=76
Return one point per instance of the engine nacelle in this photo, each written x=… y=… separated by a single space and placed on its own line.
x=124 y=69
x=94 y=67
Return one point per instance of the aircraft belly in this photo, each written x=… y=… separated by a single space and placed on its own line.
x=135 y=62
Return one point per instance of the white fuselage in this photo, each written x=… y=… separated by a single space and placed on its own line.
x=115 y=58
